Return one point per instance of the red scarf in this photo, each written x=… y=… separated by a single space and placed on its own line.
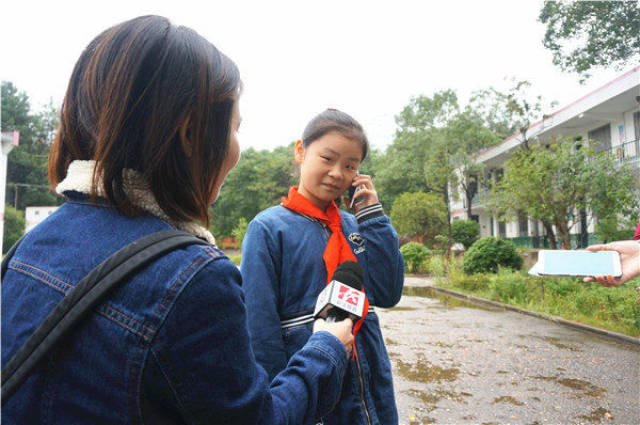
x=338 y=249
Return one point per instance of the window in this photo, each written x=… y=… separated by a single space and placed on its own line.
x=601 y=138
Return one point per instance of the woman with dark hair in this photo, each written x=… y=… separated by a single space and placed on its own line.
x=147 y=136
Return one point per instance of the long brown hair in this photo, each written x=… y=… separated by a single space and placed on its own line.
x=132 y=90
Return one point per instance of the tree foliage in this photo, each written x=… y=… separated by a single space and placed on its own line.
x=586 y=34
x=256 y=183
x=465 y=232
x=556 y=183
x=27 y=162
x=419 y=214
x=14 y=224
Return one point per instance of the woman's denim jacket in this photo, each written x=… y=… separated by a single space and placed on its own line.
x=170 y=346
x=283 y=274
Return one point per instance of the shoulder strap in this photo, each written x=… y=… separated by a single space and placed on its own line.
x=87 y=294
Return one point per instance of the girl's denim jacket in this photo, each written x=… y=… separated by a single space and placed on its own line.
x=283 y=273
x=170 y=346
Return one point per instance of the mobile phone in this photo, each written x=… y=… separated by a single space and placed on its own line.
x=579 y=263
x=352 y=195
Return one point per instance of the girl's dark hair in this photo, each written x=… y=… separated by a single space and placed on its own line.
x=133 y=88
x=334 y=120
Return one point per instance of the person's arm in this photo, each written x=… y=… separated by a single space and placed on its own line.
x=203 y=355
x=629 y=258
x=261 y=282
x=385 y=265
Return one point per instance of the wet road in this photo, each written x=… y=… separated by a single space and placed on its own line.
x=456 y=362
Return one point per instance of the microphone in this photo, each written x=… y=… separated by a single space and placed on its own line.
x=342 y=297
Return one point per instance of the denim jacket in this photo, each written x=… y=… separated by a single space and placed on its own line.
x=170 y=346
x=283 y=273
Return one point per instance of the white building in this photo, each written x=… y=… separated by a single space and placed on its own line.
x=609 y=115
x=9 y=140
x=34 y=215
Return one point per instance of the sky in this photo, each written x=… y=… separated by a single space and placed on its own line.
x=297 y=58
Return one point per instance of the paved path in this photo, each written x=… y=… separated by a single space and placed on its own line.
x=455 y=362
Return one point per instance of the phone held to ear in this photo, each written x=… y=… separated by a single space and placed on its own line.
x=352 y=196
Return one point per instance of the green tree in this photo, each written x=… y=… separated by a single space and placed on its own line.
x=27 y=163
x=586 y=34
x=14 y=224
x=465 y=232
x=256 y=183
x=419 y=214
x=555 y=183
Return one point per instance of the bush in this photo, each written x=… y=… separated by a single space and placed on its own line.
x=240 y=230
x=13 y=227
x=488 y=253
x=465 y=232
x=414 y=254
x=436 y=266
x=507 y=287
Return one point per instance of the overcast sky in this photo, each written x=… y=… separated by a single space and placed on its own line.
x=297 y=58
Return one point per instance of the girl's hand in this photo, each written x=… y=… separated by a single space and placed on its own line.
x=629 y=258
x=341 y=330
x=365 y=194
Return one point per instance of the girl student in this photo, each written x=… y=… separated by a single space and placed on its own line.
x=290 y=252
x=148 y=134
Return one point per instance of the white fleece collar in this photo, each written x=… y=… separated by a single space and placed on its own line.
x=79 y=178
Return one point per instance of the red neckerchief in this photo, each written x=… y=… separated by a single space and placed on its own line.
x=338 y=249
x=637 y=235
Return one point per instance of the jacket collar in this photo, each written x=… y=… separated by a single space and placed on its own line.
x=79 y=178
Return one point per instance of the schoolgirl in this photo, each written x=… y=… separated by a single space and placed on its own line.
x=290 y=252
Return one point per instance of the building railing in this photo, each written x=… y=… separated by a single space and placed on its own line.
x=627 y=151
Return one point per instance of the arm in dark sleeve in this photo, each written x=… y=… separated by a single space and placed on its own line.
x=261 y=283
x=385 y=265
x=203 y=355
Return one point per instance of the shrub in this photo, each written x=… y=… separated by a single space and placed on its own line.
x=507 y=286
x=436 y=266
x=240 y=230
x=488 y=253
x=414 y=254
x=13 y=227
x=465 y=232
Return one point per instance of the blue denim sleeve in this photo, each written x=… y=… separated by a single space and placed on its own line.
x=204 y=353
x=385 y=265
x=261 y=283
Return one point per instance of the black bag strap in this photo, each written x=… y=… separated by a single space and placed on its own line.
x=87 y=294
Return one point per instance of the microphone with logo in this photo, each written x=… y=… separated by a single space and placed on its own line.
x=342 y=297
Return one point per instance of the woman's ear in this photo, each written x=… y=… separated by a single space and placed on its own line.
x=299 y=151
x=183 y=131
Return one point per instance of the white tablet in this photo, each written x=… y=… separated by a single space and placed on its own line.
x=579 y=263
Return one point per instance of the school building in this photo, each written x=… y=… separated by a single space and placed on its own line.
x=608 y=116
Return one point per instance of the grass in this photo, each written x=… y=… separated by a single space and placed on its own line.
x=614 y=308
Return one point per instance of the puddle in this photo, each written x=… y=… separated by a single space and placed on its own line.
x=507 y=399
x=557 y=343
x=446 y=301
x=598 y=415
x=424 y=371
x=587 y=388
x=402 y=309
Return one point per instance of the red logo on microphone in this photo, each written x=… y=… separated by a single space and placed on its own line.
x=348 y=295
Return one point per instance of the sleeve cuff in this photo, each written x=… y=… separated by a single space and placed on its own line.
x=369 y=212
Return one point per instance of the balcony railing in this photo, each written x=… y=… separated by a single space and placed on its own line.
x=627 y=151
